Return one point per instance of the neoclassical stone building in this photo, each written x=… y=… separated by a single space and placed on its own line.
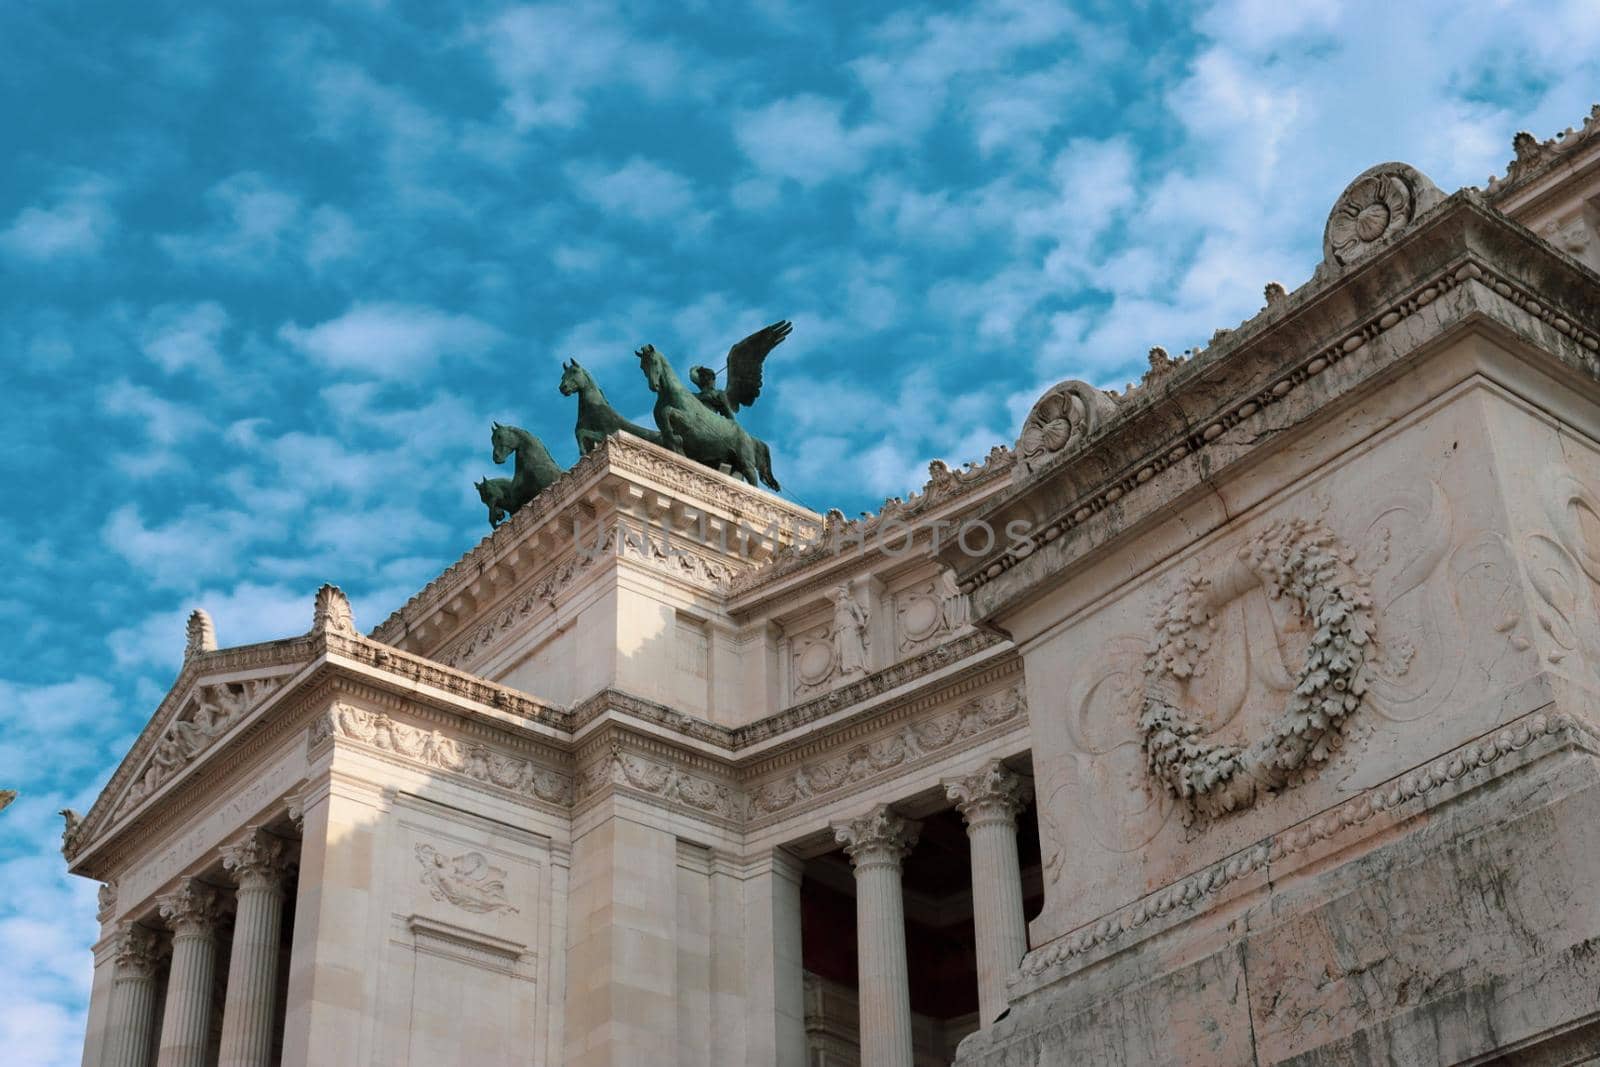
x=1239 y=718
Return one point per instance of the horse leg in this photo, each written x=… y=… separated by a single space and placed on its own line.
x=669 y=433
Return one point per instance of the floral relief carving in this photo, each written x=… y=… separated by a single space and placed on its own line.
x=1379 y=204
x=433 y=748
x=1067 y=414
x=1297 y=559
x=467 y=881
x=1564 y=570
x=672 y=784
x=911 y=743
x=214 y=711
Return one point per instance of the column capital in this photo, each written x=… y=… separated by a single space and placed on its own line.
x=138 y=951
x=192 y=908
x=258 y=859
x=879 y=836
x=992 y=793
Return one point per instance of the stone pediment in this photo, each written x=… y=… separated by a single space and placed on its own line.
x=215 y=693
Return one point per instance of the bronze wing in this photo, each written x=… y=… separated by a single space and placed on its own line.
x=744 y=363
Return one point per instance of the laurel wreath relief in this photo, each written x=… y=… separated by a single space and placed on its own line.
x=1294 y=558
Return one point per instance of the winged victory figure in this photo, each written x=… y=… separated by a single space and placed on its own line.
x=702 y=425
x=745 y=360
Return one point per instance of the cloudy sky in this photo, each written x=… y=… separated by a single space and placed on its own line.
x=270 y=270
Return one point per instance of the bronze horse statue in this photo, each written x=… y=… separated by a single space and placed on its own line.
x=535 y=470
x=597 y=419
x=690 y=426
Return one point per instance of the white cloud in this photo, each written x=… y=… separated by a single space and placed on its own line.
x=805 y=138
x=331 y=236
x=550 y=58
x=639 y=189
x=391 y=340
x=185 y=337
x=75 y=223
x=251 y=216
x=244 y=614
x=201 y=544
x=165 y=425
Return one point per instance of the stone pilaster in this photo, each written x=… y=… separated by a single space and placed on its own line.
x=876 y=843
x=133 y=997
x=257 y=862
x=191 y=912
x=989 y=801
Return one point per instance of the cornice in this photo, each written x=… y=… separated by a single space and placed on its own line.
x=1535 y=158
x=946 y=492
x=648 y=466
x=1221 y=406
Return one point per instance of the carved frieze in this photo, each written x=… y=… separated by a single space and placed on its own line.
x=670 y=783
x=467 y=881
x=437 y=750
x=927 y=613
x=904 y=748
x=812 y=660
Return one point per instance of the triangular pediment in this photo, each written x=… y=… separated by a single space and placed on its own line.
x=215 y=693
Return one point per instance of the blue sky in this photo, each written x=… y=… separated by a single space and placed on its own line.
x=270 y=271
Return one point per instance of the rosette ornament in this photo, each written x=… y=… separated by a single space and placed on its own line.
x=1375 y=207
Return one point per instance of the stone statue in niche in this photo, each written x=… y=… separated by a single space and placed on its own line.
x=955 y=601
x=851 y=635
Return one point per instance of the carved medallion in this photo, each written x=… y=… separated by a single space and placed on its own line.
x=1378 y=205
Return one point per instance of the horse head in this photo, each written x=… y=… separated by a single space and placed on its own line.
x=485 y=494
x=653 y=364
x=573 y=377
x=504 y=440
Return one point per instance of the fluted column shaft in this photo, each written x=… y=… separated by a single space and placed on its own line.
x=248 y=1010
x=192 y=913
x=133 y=998
x=876 y=843
x=989 y=801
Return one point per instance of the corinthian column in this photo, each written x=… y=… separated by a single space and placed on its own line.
x=192 y=913
x=989 y=801
x=133 y=998
x=257 y=863
x=876 y=842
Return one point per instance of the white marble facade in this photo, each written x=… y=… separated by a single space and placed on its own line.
x=1286 y=653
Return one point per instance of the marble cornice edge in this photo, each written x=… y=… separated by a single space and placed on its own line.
x=1114 y=464
x=623 y=454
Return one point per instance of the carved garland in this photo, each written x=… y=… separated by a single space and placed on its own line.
x=433 y=748
x=1293 y=558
